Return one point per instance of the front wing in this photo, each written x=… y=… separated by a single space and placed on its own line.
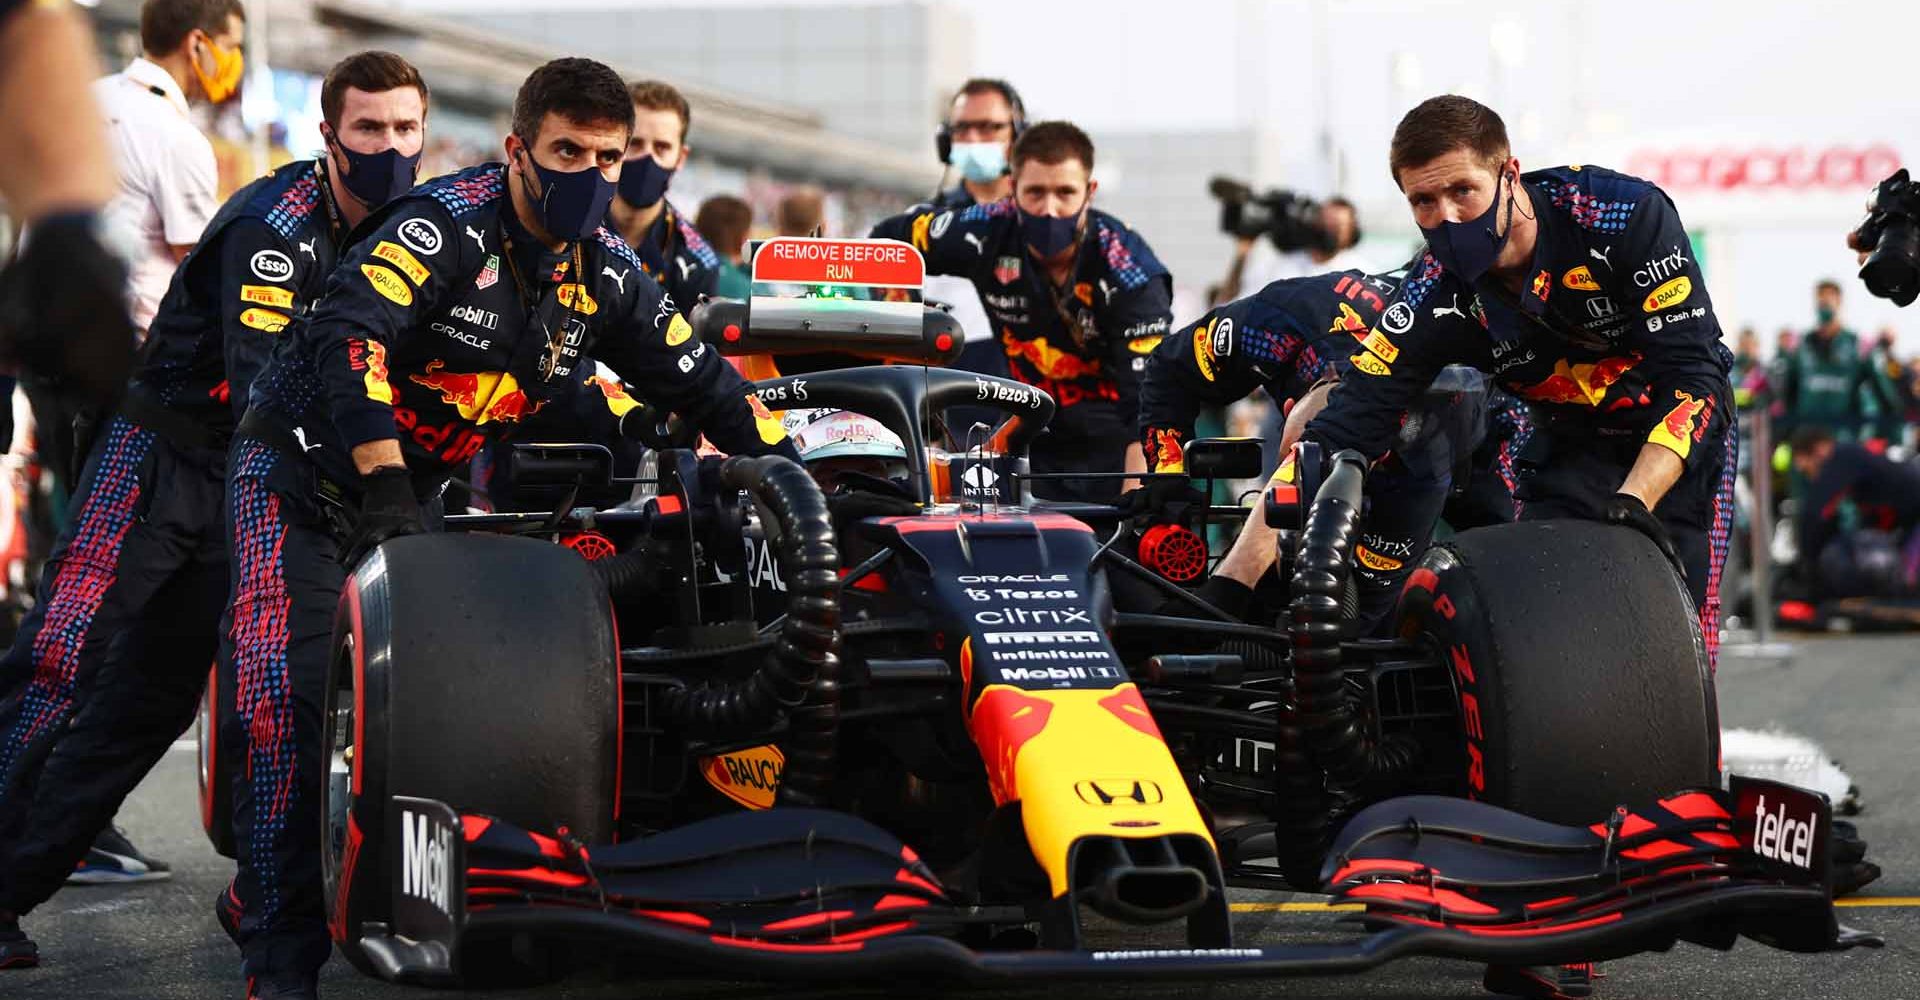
x=819 y=895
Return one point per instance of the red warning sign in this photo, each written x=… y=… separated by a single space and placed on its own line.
x=882 y=263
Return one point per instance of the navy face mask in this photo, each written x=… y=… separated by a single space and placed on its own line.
x=643 y=182
x=1470 y=248
x=376 y=178
x=1046 y=234
x=571 y=204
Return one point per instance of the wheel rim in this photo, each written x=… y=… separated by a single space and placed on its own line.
x=339 y=789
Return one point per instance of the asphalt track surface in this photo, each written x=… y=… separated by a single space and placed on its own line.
x=1857 y=696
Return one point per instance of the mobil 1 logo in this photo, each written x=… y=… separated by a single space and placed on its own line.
x=425 y=846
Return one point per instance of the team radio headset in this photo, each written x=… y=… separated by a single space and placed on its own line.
x=943 y=135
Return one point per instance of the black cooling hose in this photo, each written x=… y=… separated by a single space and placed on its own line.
x=1319 y=617
x=630 y=572
x=801 y=674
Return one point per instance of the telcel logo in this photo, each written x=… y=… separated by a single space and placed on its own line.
x=1781 y=837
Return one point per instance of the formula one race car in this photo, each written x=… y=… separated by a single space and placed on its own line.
x=918 y=725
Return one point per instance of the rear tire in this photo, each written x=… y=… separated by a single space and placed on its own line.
x=216 y=781
x=480 y=671
x=1577 y=665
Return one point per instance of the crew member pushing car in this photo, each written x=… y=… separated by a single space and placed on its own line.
x=118 y=645
x=478 y=299
x=1577 y=289
x=1077 y=301
x=1289 y=338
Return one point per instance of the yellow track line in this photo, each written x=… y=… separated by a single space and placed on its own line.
x=1858 y=901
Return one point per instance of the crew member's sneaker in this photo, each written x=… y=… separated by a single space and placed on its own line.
x=17 y=951
x=113 y=860
x=304 y=988
x=1541 y=982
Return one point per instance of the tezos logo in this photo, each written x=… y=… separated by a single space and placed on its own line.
x=1782 y=837
x=420 y=236
x=426 y=858
x=271 y=265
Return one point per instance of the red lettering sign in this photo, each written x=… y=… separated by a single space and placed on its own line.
x=874 y=263
x=1794 y=168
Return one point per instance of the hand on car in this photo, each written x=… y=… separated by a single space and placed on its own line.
x=1157 y=494
x=1627 y=509
x=387 y=510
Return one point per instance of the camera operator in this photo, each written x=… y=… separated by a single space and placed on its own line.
x=1888 y=240
x=1282 y=235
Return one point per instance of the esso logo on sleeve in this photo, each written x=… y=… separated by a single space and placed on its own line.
x=271 y=265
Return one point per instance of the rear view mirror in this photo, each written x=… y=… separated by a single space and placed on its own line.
x=1224 y=458
x=562 y=465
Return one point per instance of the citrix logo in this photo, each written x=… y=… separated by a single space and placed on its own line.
x=1661 y=268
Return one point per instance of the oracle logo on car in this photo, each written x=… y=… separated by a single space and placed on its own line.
x=1793 y=168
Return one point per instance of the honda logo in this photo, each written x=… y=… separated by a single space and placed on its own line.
x=1110 y=792
x=1601 y=307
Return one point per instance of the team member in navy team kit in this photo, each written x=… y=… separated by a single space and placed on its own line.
x=985 y=118
x=130 y=600
x=476 y=300
x=670 y=249
x=1578 y=290
x=1885 y=494
x=1291 y=338
x=1077 y=300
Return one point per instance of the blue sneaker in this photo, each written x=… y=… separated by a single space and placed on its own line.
x=113 y=860
x=17 y=951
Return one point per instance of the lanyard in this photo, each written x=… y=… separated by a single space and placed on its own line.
x=555 y=343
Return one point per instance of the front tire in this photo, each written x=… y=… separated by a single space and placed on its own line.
x=1577 y=664
x=480 y=671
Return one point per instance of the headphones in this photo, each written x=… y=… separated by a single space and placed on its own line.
x=943 y=136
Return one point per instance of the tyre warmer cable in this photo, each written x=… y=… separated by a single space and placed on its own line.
x=801 y=674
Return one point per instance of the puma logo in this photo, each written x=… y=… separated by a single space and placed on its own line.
x=477 y=241
x=1452 y=310
x=306 y=247
x=979 y=245
x=1601 y=255
x=619 y=279
x=300 y=434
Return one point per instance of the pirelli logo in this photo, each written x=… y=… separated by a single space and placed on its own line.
x=267 y=295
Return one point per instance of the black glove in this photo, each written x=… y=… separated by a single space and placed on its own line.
x=1152 y=500
x=387 y=510
x=1625 y=508
x=63 y=313
x=656 y=429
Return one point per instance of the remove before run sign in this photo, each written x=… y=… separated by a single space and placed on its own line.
x=882 y=263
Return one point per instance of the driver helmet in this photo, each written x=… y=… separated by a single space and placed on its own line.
x=834 y=441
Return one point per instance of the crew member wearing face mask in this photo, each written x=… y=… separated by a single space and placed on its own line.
x=475 y=301
x=1578 y=290
x=985 y=118
x=671 y=251
x=168 y=180
x=1077 y=300
x=144 y=556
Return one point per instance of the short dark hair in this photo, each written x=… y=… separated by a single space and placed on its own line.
x=1053 y=142
x=164 y=24
x=1440 y=125
x=659 y=95
x=801 y=212
x=1810 y=436
x=978 y=85
x=372 y=72
x=582 y=91
x=1827 y=284
x=725 y=221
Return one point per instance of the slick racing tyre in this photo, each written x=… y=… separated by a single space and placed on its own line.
x=480 y=671
x=1577 y=664
x=216 y=774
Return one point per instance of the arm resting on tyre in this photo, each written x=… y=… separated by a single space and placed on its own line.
x=1654 y=472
